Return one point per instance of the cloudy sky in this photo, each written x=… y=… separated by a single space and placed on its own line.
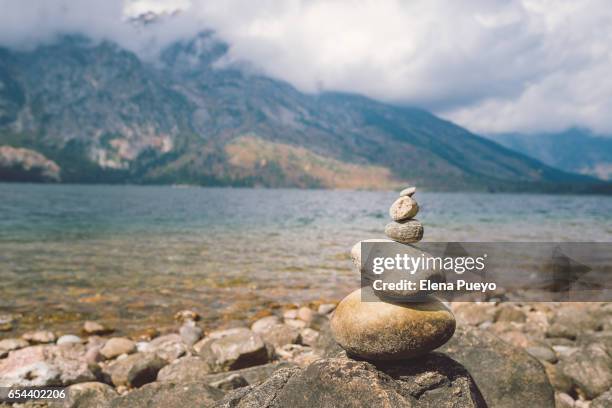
x=492 y=66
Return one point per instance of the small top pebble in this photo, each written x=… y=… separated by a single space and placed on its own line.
x=408 y=192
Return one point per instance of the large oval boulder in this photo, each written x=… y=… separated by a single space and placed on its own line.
x=391 y=331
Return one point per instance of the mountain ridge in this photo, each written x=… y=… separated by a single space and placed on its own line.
x=574 y=150
x=104 y=115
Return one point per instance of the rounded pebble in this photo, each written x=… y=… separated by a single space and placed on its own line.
x=69 y=339
x=406 y=232
x=403 y=208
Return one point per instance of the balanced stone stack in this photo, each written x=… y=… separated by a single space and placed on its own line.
x=386 y=330
x=405 y=228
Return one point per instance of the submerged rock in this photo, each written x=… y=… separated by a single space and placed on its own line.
x=90 y=327
x=388 y=331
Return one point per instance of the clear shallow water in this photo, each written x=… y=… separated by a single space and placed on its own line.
x=134 y=255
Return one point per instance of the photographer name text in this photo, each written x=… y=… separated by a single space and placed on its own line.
x=429 y=286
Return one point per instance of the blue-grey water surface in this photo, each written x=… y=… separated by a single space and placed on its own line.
x=134 y=255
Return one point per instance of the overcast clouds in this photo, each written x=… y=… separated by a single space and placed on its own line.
x=492 y=66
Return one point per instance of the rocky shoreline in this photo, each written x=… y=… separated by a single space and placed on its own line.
x=502 y=355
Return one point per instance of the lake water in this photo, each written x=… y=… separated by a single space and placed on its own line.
x=134 y=255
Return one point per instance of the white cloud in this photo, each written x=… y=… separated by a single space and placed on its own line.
x=139 y=7
x=493 y=66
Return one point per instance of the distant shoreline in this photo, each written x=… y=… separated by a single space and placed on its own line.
x=597 y=189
